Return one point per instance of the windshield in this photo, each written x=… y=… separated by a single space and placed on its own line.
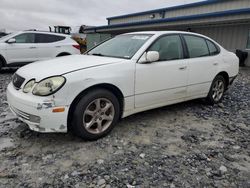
x=122 y=46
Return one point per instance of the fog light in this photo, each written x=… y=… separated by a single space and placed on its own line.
x=35 y=119
x=56 y=110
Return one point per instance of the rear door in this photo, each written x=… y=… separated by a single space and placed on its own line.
x=203 y=65
x=24 y=50
x=48 y=45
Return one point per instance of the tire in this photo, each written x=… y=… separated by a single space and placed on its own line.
x=217 y=90
x=91 y=122
x=1 y=64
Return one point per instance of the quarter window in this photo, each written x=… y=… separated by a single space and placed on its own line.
x=169 y=47
x=212 y=48
x=25 y=38
x=197 y=46
x=48 y=38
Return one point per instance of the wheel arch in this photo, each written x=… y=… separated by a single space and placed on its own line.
x=2 y=59
x=225 y=76
x=110 y=87
x=63 y=54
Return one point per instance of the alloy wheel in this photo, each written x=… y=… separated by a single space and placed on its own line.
x=98 y=116
x=218 y=90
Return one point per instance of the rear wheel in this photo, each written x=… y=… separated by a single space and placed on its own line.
x=217 y=90
x=63 y=54
x=96 y=114
x=1 y=64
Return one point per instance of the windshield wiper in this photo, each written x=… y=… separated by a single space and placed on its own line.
x=97 y=54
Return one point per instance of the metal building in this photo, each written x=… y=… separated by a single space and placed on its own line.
x=226 y=21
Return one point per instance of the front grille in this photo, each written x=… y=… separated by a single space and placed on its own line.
x=26 y=116
x=17 y=81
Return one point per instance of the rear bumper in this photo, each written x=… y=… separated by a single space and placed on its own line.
x=36 y=112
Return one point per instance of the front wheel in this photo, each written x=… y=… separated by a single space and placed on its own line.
x=217 y=90
x=96 y=114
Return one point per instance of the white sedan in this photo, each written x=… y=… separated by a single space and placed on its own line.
x=127 y=74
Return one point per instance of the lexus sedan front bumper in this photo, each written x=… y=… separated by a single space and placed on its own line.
x=36 y=111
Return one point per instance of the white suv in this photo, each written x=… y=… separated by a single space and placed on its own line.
x=28 y=46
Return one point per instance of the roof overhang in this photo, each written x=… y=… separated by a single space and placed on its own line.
x=167 y=21
x=206 y=2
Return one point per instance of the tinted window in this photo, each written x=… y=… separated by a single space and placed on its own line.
x=47 y=38
x=169 y=47
x=197 y=46
x=25 y=38
x=212 y=48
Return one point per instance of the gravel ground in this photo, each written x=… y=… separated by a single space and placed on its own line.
x=185 y=145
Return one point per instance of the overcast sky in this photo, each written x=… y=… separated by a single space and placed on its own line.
x=39 y=14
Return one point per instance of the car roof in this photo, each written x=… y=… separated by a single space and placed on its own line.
x=164 y=32
x=45 y=32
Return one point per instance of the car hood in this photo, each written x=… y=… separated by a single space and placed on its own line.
x=63 y=65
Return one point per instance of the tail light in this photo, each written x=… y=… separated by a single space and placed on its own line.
x=77 y=46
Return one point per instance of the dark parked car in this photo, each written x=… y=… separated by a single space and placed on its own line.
x=2 y=34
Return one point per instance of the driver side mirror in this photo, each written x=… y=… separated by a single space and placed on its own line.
x=150 y=57
x=11 y=41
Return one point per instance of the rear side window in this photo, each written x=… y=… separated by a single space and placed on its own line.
x=213 y=49
x=48 y=38
x=197 y=46
x=169 y=47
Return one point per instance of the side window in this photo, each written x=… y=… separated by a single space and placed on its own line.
x=47 y=38
x=197 y=46
x=212 y=48
x=25 y=38
x=169 y=47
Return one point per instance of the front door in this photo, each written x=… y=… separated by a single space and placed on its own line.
x=23 y=50
x=164 y=81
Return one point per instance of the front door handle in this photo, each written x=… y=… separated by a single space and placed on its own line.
x=215 y=64
x=33 y=47
x=183 y=68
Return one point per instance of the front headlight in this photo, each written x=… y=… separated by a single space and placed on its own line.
x=49 y=86
x=28 y=86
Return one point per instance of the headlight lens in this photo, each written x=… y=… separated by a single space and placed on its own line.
x=28 y=86
x=49 y=86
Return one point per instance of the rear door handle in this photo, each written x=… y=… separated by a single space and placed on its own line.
x=33 y=47
x=215 y=64
x=183 y=68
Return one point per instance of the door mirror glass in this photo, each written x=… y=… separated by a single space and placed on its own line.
x=11 y=41
x=152 y=56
